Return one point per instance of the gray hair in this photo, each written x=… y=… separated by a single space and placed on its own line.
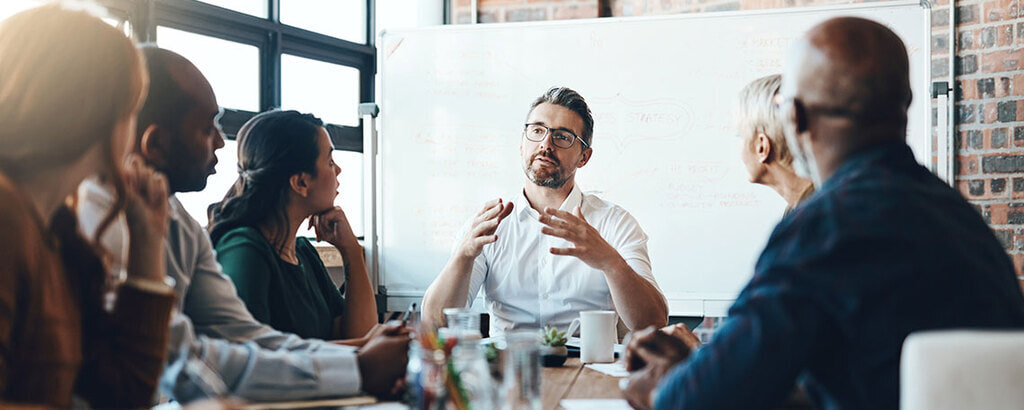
x=757 y=113
x=572 y=100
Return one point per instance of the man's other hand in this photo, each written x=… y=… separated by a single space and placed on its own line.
x=382 y=361
x=650 y=354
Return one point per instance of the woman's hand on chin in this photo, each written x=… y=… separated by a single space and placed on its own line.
x=332 y=226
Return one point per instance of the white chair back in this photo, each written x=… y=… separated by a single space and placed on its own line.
x=962 y=369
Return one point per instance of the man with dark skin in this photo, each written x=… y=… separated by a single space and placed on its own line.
x=178 y=133
x=883 y=249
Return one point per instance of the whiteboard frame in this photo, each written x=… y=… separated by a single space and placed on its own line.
x=679 y=303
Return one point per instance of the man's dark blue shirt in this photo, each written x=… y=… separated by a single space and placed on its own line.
x=883 y=249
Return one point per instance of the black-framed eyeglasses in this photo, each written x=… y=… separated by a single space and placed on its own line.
x=561 y=137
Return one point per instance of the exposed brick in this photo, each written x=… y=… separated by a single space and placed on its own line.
x=996 y=214
x=1015 y=214
x=987 y=37
x=967 y=165
x=1007 y=111
x=1018 y=263
x=997 y=186
x=966 y=90
x=987 y=87
x=495 y=4
x=975 y=139
x=976 y=187
x=1020 y=32
x=940 y=17
x=1004 y=87
x=1002 y=164
x=999 y=61
x=1000 y=10
x=575 y=12
x=966 y=64
x=999 y=138
x=1018 y=84
x=526 y=14
x=1018 y=136
x=489 y=16
x=987 y=112
x=1005 y=237
x=966 y=14
x=965 y=114
x=965 y=41
x=940 y=67
x=463 y=18
x=940 y=42
x=1005 y=35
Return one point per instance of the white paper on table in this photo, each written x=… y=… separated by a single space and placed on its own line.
x=595 y=404
x=615 y=369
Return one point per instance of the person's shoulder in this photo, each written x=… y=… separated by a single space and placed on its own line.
x=243 y=235
x=600 y=209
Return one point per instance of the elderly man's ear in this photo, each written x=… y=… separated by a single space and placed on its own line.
x=154 y=145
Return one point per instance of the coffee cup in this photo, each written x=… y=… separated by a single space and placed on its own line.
x=597 y=335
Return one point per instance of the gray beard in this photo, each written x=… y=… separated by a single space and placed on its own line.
x=554 y=180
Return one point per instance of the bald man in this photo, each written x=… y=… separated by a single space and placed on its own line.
x=882 y=250
x=216 y=347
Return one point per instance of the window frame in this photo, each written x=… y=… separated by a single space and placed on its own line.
x=272 y=38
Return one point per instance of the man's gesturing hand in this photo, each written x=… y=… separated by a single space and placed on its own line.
x=484 y=226
x=588 y=245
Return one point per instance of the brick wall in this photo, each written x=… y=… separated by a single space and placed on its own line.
x=989 y=84
x=990 y=116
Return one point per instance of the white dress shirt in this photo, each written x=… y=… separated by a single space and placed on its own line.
x=527 y=287
x=216 y=347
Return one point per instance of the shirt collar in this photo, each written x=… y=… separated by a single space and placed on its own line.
x=890 y=153
x=523 y=209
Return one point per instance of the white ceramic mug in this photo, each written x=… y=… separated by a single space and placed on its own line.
x=597 y=335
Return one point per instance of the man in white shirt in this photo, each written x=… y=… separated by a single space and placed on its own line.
x=216 y=347
x=553 y=251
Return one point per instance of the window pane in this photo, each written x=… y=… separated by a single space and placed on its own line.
x=329 y=91
x=350 y=197
x=232 y=68
x=344 y=19
x=256 y=8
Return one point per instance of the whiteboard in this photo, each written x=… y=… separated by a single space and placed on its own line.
x=662 y=91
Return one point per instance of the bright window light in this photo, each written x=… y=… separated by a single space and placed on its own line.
x=344 y=19
x=328 y=91
x=256 y=8
x=232 y=68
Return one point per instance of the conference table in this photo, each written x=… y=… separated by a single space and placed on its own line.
x=575 y=381
x=571 y=381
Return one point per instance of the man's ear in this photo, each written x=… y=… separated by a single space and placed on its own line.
x=587 y=152
x=763 y=148
x=300 y=184
x=153 y=145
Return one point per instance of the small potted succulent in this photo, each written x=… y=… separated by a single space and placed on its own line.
x=553 y=351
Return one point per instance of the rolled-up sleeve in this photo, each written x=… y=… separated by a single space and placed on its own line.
x=201 y=367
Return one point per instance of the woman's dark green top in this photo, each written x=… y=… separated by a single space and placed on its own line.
x=300 y=299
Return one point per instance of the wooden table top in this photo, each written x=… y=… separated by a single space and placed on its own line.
x=574 y=381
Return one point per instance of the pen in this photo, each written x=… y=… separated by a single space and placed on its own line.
x=408 y=313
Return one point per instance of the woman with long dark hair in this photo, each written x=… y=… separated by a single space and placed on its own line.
x=286 y=175
x=70 y=90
